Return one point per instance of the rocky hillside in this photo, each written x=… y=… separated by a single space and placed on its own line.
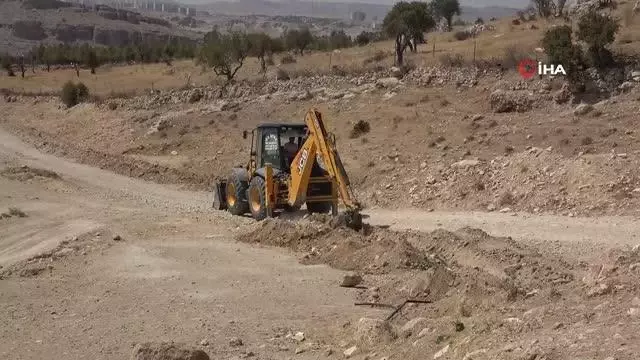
x=24 y=24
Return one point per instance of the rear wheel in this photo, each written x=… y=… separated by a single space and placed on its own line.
x=236 y=193
x=257 y=198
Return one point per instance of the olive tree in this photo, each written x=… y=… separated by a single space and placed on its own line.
x=406 y=22
x=224 y=53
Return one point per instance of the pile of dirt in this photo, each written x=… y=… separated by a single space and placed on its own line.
x=371 y=251
x=25 y=173
x=464 y=258
x=488 y=297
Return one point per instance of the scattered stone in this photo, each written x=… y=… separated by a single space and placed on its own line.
x=204 y=342
x=600 y=289
x=396 y=72
x=305 y=95
x=350 y=351
x=167 y=351
x=633 y=312
x=174 y=153
x=424 y=332
x=412 y=325
x=373 y=332
x=557 y=326
x=117 y=238
x=235 y=342
x=299 y=336
x=387 y=82
x=582 y=109
x=441 y=353
x=505 y=210
x=388 y=95
x=474 y=354
x=563 y=95
x=491 y=207
x=466 y=163
x=351 y=280
x=626 y=86
x=502 y=101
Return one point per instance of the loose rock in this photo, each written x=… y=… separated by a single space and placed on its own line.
x=167 y=351
x=351 y=280
x=372 y=332
x=582 y=109
x=350 y=351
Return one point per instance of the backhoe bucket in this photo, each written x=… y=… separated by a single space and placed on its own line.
x=351 y=219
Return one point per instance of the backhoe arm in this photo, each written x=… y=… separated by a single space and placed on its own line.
x=322 y=144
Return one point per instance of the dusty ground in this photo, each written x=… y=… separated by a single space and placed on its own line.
x=547 y=160
x=175 y=273
x=107 y=237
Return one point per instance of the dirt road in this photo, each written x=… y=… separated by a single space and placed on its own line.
x=177 y=275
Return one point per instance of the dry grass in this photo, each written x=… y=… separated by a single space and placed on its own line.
x=112 y=80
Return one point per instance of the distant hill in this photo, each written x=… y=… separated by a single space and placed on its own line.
x=25 y=24
x=340 y=10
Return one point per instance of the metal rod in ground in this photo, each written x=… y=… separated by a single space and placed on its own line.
x=374 y=304
x=405 y=303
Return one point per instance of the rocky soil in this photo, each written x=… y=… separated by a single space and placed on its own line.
x=486 y=297
x=438 y=138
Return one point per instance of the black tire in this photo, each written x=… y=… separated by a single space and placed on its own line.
x=236 y=191
x=319 y=207
x=257 y=198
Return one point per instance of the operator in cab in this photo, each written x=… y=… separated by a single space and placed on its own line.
x=291 y=149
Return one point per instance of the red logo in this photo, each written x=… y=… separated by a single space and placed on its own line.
x=527 y=68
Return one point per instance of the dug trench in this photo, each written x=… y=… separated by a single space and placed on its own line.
x=483 y=297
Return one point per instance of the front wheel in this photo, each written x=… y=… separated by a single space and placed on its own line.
x=235 y=193
x=257 y=198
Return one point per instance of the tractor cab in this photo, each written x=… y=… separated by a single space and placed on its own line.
x=276 y=144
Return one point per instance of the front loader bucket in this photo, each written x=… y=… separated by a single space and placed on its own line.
x=219 y=195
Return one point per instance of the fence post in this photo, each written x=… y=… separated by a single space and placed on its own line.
x=475 y=45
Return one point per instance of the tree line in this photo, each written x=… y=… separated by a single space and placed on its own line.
x=225 y=52
x=262 y=46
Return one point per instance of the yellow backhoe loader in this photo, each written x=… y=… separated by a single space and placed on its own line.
x=290 y=165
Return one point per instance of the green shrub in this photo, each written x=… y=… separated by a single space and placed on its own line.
x=598 y=31
x=462 y=35
x=73 y=94
x=561 y=50
x=83 y=92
